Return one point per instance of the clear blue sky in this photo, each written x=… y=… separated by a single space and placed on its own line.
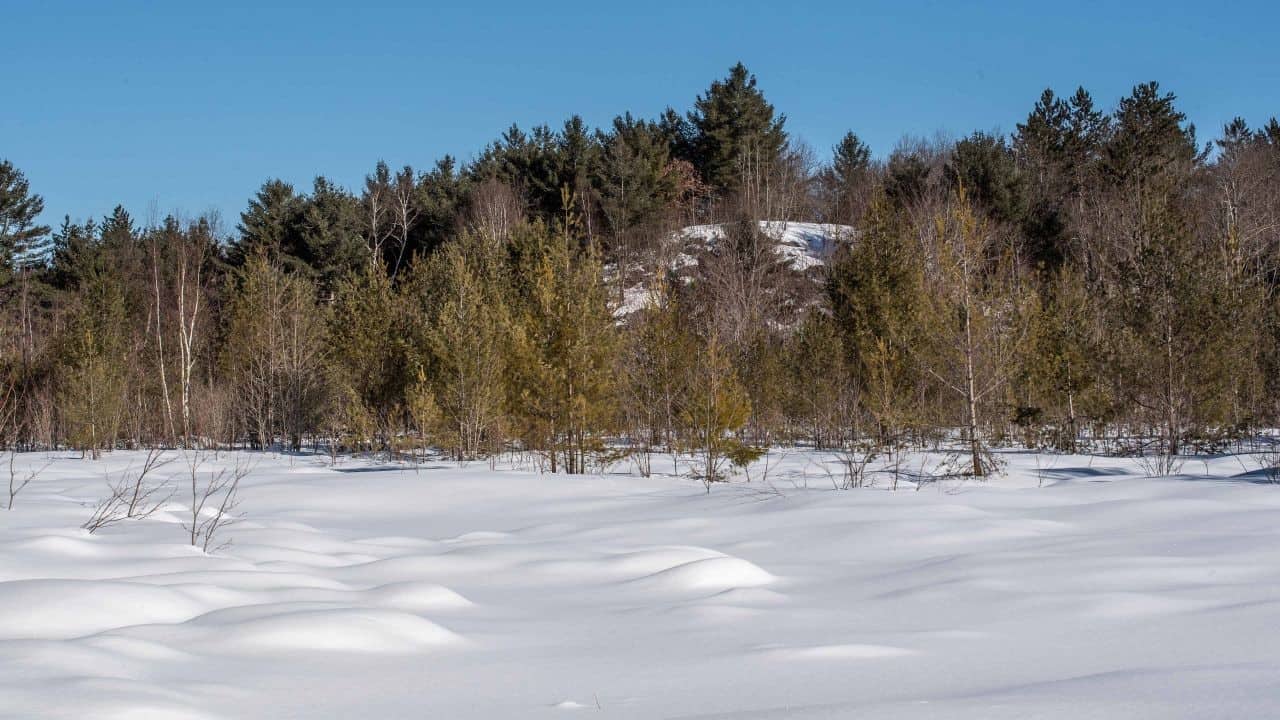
x=186 y=107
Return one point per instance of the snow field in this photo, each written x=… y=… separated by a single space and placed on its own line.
x=386 y=591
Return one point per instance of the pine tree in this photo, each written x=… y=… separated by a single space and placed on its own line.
x=818 y=382
x=93 y=360
x=367 y=333
x=985 y=166
x=733 y=124
x=635 y=181
x=563 y=344
x=330 y=242
x=847 y=182
x=463 y=343
x=76 y=250
x=1058 y=150
x=875 y=291
x=271 y=226
x=713 y=410
x=20 y=234
x=1061 y=354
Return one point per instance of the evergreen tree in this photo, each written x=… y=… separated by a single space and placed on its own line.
x=847 y=181
x=818 y=382
x=563 y=344
x=1058 y=149
x=875 y=292
x=984 y=165
x=635 y=182
x=368 y=349
x=1061 y=354
x=1150 y=150
x=76 y=250
x=734 y=124
x=330 y=242
x=442 y=195
x=271 y=226
x=713 y=410
x=93 y=361
x=20 y=234
x=463 y=343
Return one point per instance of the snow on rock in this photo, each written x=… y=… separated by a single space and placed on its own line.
x=385 y=591
x=803 y=245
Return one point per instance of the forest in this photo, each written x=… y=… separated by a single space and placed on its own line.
x=1099 y=279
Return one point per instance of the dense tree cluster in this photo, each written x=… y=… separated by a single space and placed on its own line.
x=1096 y=278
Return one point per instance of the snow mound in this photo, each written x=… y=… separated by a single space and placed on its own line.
x=853 y=651
x=74 y=608
x=711 y=574
x=417 y=596
x=339 y=630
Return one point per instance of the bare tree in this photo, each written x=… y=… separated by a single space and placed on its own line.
x=19 y=480
x=131 y=496
x=404 y=211
x=214 y=498
x=378 y=201
x=495 y=210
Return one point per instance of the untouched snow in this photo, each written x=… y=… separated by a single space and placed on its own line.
x=381 y=591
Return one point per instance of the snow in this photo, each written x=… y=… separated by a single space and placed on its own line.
x=803 y=245
x=391 y=591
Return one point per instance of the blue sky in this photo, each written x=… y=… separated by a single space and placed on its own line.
x=187 y=107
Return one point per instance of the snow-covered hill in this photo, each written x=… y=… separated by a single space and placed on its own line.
x=805 y=246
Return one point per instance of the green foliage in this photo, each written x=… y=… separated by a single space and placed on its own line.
x=20 y=234
x=367 y=332
x=636 y=183
x=564 y=338
x=714 y=409
x=818 y=383
x=92 y=361
x=733 y=122
x=984 y=165
x=463 y=338
x=876 y=294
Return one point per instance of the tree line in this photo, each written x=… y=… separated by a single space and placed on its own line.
x=1097 y=279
